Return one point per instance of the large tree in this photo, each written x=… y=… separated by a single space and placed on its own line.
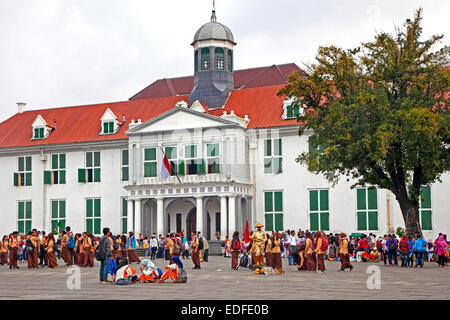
x=379 y=114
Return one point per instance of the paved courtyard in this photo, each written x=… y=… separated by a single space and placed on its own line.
x=216 y=280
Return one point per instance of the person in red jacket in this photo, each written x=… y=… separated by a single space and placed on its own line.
x=403 y=248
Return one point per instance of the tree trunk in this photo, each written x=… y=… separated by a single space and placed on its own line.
x=410 y=214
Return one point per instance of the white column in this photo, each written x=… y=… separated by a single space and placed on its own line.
x=231 y=215
x=129 y=225
x=199 y=212
x=223 y=218
x=137 y=217
x=159 y=216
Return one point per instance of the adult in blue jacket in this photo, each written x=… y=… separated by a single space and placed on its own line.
x=420 y=249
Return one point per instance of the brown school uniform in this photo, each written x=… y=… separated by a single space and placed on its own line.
x=4 y=252
x=268 y=251
x=52 y=262
x=320 y=256
x=67 y=252
x=33 y=257
x=310 y=256
x=80 y=253
x=276 y=255
x=123 y=248
x=132 y=255
x=343 y=252
x=13 y=251
x=195 y=252
x=169 y=247
x=88 y=252
x=235 y=255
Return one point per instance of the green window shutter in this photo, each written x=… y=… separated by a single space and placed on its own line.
x=28 y=179
x=89 y=208
x=217 y=164
x=279 y=222
x=361 y=199
x=28 y=164
x=201 y=169
x=124 y=225
x=21 y=226
x=314 y=221
x=62 y=176
x=296 y=111
x=268 y=165
x=372 y=199
x=16 y=179
x=62 y=161
x=97 y=208
x=47 y=177
x=36 y=133
x=105 y=127
x=212 y=150
x=62 y=209
x=426 y=220
x=89 y=225
x=278 y=201
x=268 y=201
x=88 y=159
x=278 y=168
x=97 y=226
x=313 y=200
x=181 y=168
x=150 y=169
x=267 y=148
x=362 y=220
x=97 y=159
x=54 y=161
x=269 y=221
x=373 y=220
x=171 y=152
x=41 y=133
x=54 y=225
x=97 y=174
x=150 y=154
x=27 y=226
x=111 y=127
x=323 y=200
x=324 y=221
x=124 y=207
x=425 y=194
x=289 y=112
x=21 y=210
x=28 y=210
x=55 y=207
x=82 y=175
x=21 y=164
x=124 y=173
x=125 y=160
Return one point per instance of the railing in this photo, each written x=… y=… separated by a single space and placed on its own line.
x=194 y=178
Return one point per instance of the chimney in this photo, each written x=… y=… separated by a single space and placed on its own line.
x=21 y=107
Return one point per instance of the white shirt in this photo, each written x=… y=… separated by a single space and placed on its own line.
x=291 y=240
x=153 y=243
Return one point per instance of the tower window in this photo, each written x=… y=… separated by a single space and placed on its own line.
x=205 y=60
x=230 y=60
x=219 y=59
x=196 y=60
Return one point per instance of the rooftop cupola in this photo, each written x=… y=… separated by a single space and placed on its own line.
x=213 y=64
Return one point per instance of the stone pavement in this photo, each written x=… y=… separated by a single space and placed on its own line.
x=216 y=280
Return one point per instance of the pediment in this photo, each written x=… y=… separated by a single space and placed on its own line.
x=180 y=118
x=108 y=115
x=39 y=122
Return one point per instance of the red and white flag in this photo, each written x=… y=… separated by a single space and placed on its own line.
x=246 y=235
x=165 y=166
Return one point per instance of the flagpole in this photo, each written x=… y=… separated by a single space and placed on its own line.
x=176 y=173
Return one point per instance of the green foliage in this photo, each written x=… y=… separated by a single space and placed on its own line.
x=380 y=110
x=400 y=231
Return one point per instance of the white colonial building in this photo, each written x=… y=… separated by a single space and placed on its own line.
x=231 y=142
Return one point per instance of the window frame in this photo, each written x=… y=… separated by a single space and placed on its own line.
x=205 y=59
x=216 y=158
x=25 y=219
x=124 y=167
x=367 y=211
x=272 y=156
x=273 y=212
x=152 y=161
x=319 y=210
x=93 y=217
x=23 y=178
x=430 y=209
x=58 y=219
x=219 y=59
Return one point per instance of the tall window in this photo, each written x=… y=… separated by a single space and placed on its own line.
x=272 y=156
x=367 y=208
x=150 y=164
x=172 y=156
x=58 y=215
x=125 y=165
x=124 y=218
x=93 y=216
x=219 y=59
x=91 y=173
x=205 y=59
x=273 y=210
x=24 y=219
x=230 y=60
x=319 y=210
x=425 y=208
x=213 y=157
x=23 y=175
x=58 y=173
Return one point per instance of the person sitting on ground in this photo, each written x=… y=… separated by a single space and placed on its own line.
x=299 y=257
x=174 y=271
x=150 y=273
x=373 y=256
x=125 y=274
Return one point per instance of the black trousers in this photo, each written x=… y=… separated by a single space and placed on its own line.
x=205 y=255
x=442 y=260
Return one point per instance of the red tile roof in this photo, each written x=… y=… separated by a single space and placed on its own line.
x=82 y=123
x=246 y=78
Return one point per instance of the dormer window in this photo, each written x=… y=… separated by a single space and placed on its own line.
x=41 y=130
x=110 y=124
x=292 y=109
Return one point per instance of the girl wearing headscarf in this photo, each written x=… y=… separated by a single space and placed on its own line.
x=52 y=262
x=275 y=252
x=441 y=251
x=173 y=270
x=131 y=247
x=123 y=245
x=309 y=252
x=150 y=273
x=235 y=249
x=124 y=274
x=268 y=250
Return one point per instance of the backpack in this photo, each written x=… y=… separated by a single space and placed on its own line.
x=29 y=246
x=98 y=253
x=71 y=242
x=324 y=246
x=235 y=245
x=244 y=261
x=200 y=243
x=392 y=246
x=351 y=248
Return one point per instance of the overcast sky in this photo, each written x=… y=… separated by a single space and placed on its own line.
x=57 y=53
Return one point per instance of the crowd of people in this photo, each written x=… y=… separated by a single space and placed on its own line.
x=308 y=250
